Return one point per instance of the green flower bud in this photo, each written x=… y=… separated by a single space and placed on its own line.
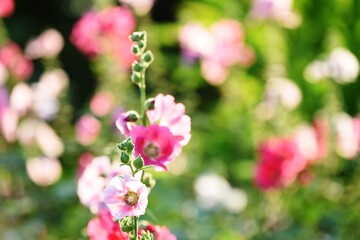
x=129 y=145
x=149 y=181
x=148 y=57
x=126 y=224
x=150 y=104
x=135 y=49
x=139 y=162
x=121 y=146
x=131 y=116
x=137 y=67
x=135 y=78
x=146 y=235
x=141 y=44
x=137 y=36
x=124 y=157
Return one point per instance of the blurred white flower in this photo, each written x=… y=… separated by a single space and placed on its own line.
x=346 y=138
x=21 y=98
x=285 y=91
x=213 y=191
x=316 y=71
x=305 y=138
x=47 y=45
x=54 y=81
x=141 y=7
x=43 y=171
x=343 y=65
x=48 y=141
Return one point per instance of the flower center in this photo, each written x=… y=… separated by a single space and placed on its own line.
x=151 y=151
x=131 y=198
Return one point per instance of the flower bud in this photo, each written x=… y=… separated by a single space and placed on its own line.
x=137 y=36
x=137 y=67
x=149 y=181
x=121 y=146
x=124 y=157
x=150 y=104
x=141 y=44
x=131 y=116
x=139 y=162
x=126 y=224
x=146 y=235
x=148 y=57
x=129 y=145
x=135 y=78
x=135 y=49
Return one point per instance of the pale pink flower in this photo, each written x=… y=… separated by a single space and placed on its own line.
x=48 y=140
x=9 y=124
x=214 y=72
x=126 y=196
x=105 y=228
x=21 y=98
x=87 y=129
x=156 y=145
x=13 y=59
x=47 y=45
x=122 y=125
x=7 y=8
x=160 y=232
x=347 y=141
x=101 y=104
x=141 y=7
x=4 y=101
x=43 y=171
x=280 y=163
x=172 y=115
x=93 y=180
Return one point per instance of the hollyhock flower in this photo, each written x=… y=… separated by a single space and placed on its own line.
x=347 y=140
x=101 y=104
x=170 y=114
x=280 y=163
x=155 y=144
x=47 y=45
x=141 y=7
x=126 y=196
x=7 y=8
x=343 y=66
x=87 y=130
x=13 y=59
x=9 y=124
x=93 y=180
x=21 y=98
x=48 y=141
x=122 y=125
x=105 y=228
x=43 y=171
x=4 y=101
x=160 y=232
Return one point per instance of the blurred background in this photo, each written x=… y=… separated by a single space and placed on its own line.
x=271 y=87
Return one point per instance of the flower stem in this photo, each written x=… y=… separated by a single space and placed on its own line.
x=142 y=87
x=135 y=224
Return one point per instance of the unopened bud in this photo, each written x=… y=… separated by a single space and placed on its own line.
x=131 y=116
x=135 y=78
x=137 y=36
x=148 y=57
x=124 y=157
x=129 y=145
x=137 y=67
x=141 y=44
x=139 y=162
x=150 y=104
x=126 y=224
x=149 y=181
x=135 y=49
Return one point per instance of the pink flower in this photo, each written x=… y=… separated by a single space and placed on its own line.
x=7 y=8
x=87 y=130
x=106 y=32
x=105 y=228
x=126 y=196
x=160 y=232
x=13 y=59
x=101 y=104
x=93 y=180
x=170 y=114
x=155 y=144
x=141 y=7
x=280 y=163
x=122 y=125
x=4 y=101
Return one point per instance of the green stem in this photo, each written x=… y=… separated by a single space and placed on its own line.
x=135 y=231
x=142 y=87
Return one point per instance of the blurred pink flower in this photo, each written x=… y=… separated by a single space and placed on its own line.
x=105 y=228
x=21 y=98
x=141 y=7
x=84 y=160
x=126 y=196
x=170 y=114
x=280 y=163
x=13 y=59
x=47 y=45
x=4 y=101
x=87 y=129
x=218 y=49
x=7 y=8
x=160 y=232
x=9 y=123
x=43 y=171
x=122 y=125
x=347 y=140
x=93 y=180
x=155 y=144
x=106 y=31
x=101 y=104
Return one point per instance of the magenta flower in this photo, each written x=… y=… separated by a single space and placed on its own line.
x=126 y=196
x=160 y=232
x=7 y=8
x=105 y=228
x=170 y=114
x=156 y=145
x=280 y=163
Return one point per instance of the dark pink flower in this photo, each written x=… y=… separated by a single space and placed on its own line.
x=160 y=232
x=126 y=196
x=7 y=8
x=12 y=58
x=280 y=163
x=155 y=144
x=105 y=228
x=170 y=114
